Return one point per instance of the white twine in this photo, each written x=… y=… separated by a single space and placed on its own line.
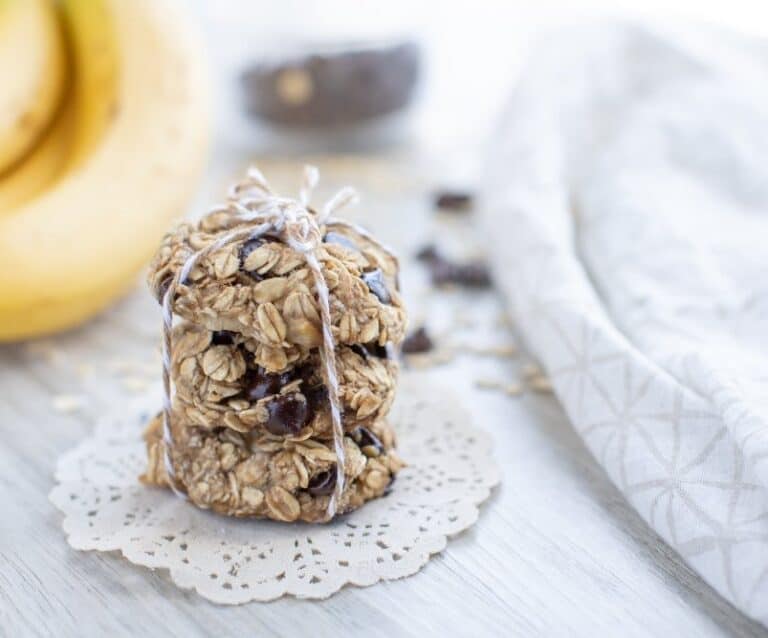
x=292 y=221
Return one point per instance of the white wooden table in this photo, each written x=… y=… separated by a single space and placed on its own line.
x=556 y=550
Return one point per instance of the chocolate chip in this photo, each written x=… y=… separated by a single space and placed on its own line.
x=374 y=279
x=342 y=240
x=418 y=341
x=305 y=372
x=360 y=351
x=323 y=484
x=259 y=383
x=387 y=351
x=366 y=350
x=454 y=201
x=246 y=249
x=428 y=254
x=473 y=274
x=317 y=397
x=388 y=489
x=288 y=414
x=367 y=441
x=222 y=338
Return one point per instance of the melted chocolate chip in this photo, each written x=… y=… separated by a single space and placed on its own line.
x=288 y=414
x=222 y=338
x=374 y=279
x=305 y=372
x=323 y=484
x=417 y=342
x=367 y=439
x=259 y=383
x=342 y=240
x=454 y=201
x=317 y=397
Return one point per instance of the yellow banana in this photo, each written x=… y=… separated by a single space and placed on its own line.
x=32 y=66
x=68 y=252
x=43 y=165
x=95 y=59
x=86 y=108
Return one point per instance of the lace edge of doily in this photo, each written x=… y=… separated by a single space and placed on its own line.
x=429 y=546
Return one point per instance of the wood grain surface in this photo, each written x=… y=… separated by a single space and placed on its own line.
x=556 y=551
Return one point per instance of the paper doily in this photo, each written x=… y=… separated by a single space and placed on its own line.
x=450 y=472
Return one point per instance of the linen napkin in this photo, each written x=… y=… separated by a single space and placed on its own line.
x=626 y=207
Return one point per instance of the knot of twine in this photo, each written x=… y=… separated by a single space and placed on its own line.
x=255 y=210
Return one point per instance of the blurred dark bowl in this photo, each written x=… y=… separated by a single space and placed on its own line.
x=334 y=87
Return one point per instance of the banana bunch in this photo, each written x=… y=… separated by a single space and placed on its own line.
x=103 y=136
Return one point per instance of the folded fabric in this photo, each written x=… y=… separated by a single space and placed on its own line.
x=627 y=211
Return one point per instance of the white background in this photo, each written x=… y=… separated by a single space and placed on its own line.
x=473 y=48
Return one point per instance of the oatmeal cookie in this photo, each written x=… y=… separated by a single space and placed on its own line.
x=219 y=382
x=263 y=288
x=264 y=476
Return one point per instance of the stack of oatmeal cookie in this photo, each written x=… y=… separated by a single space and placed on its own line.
x=250 y=421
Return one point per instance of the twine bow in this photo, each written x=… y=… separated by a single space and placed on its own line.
x=255 y=211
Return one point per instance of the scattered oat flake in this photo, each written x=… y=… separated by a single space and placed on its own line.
x=135 y=384
x=504 y=321
x=503 y=352
x=444 y=356
x=530 y=370
x=464 y=322
x=122 y=366
x=68 y=403
x=487 y=384
x=463 y=318
x=510 y=389
x=540 y=383
x=84 y=369
x=134 y=368
x=43 y=349
x=430 y=359
x=513 y=389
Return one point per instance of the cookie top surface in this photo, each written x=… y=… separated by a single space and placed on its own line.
x=264 y=289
